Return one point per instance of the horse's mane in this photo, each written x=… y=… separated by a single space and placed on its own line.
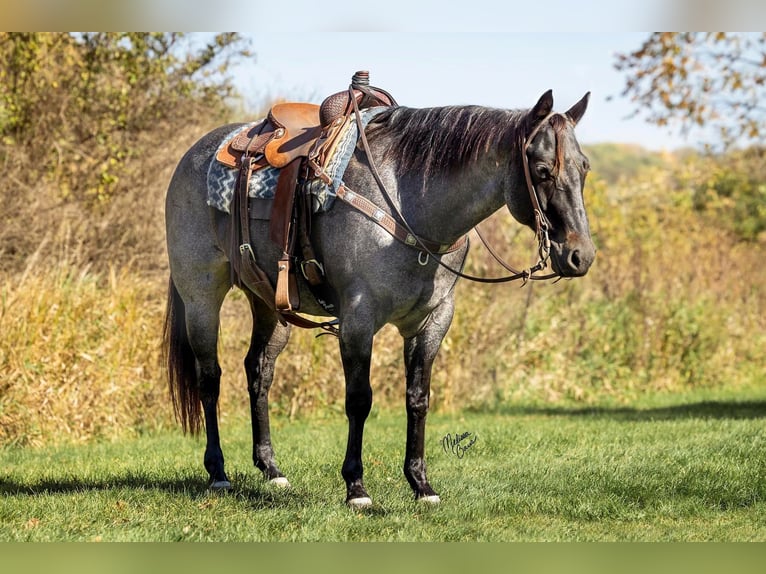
x=431 y=140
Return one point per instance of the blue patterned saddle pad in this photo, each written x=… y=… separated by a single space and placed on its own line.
x=221 y=179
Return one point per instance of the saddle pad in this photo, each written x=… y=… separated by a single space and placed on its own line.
x=322 y=194
x=222 y=179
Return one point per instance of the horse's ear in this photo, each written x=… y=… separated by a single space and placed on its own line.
x=542 y=108
x=576 y=112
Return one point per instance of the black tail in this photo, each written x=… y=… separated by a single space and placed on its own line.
x=180 y=363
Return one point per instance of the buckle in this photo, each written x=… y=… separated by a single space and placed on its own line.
x=311 y=262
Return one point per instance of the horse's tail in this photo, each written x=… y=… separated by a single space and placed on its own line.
x=180 y=363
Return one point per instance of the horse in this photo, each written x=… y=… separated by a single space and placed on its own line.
x=443 y=170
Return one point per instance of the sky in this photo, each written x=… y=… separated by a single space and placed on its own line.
x=502 y=53
x=497 y=69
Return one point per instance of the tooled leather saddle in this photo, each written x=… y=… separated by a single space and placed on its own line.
x=298 y=139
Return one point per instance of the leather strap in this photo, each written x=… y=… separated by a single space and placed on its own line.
x=311 y=268
x=282 y=211
x=281 y=232
x=244 y=267
x=286 y=295
x=388 y=223
x=245 y=270
x=305 y=323
x=541 y=221
x=541 y=225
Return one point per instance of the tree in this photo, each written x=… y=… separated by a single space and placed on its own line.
x=81 y=104
x=90 y=126
x=715 y=80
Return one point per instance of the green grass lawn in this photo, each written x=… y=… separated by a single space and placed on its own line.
x=687 y=469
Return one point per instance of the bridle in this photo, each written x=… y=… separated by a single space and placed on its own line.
x=541 y=222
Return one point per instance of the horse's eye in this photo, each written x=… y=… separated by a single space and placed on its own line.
x=542 y=171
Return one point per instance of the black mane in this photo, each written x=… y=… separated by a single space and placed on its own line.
x=432 y=140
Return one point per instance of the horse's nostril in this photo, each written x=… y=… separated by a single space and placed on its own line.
x=574 y=259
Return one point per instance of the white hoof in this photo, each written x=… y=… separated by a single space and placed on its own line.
x=220 y=485
x=359 y=503
x=280 y=482
x=432 y=499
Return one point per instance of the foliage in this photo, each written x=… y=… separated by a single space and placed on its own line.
x=557 y=380
x=660 y=311
x=672 y=304
x=734 y=192
x=77 y=357
x=700 y=79
x=688 y=470
x=84 y=123
x=617 y=163
x=79 y=102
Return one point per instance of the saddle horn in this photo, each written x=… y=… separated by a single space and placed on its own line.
x=339 y=105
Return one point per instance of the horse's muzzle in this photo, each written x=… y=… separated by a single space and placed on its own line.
x=573 y=257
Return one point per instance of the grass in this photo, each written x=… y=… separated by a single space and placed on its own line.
x=552 y=378
x=80 y=350
x=689 y=470
x=79 y=355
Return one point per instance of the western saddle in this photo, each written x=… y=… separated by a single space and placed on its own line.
x=298 y=139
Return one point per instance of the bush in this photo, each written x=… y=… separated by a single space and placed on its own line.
x=87 y=124
x=737 y=199
x=79 y=356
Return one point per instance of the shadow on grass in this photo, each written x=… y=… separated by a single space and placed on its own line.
x=192 y=488
x=736 y=410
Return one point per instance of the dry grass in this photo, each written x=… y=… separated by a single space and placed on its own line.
x=78 y=356
x=673 y=303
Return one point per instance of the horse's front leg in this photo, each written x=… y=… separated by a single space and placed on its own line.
x=268 y=339
x=356 y=335
x=419 y=354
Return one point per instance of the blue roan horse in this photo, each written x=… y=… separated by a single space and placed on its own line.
x=446 y=170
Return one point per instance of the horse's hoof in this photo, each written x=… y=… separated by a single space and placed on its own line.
x=431 y=499
x=280 y=482
x=360 y=503
x=220 y=485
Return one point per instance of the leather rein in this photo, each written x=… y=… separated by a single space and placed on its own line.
x=404 y=232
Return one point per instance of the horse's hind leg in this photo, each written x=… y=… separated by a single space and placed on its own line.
x=419 y=354
x=203 y=336
x=203 y=298
x=268 y=340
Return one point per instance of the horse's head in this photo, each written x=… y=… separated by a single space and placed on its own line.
x=555 y=175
